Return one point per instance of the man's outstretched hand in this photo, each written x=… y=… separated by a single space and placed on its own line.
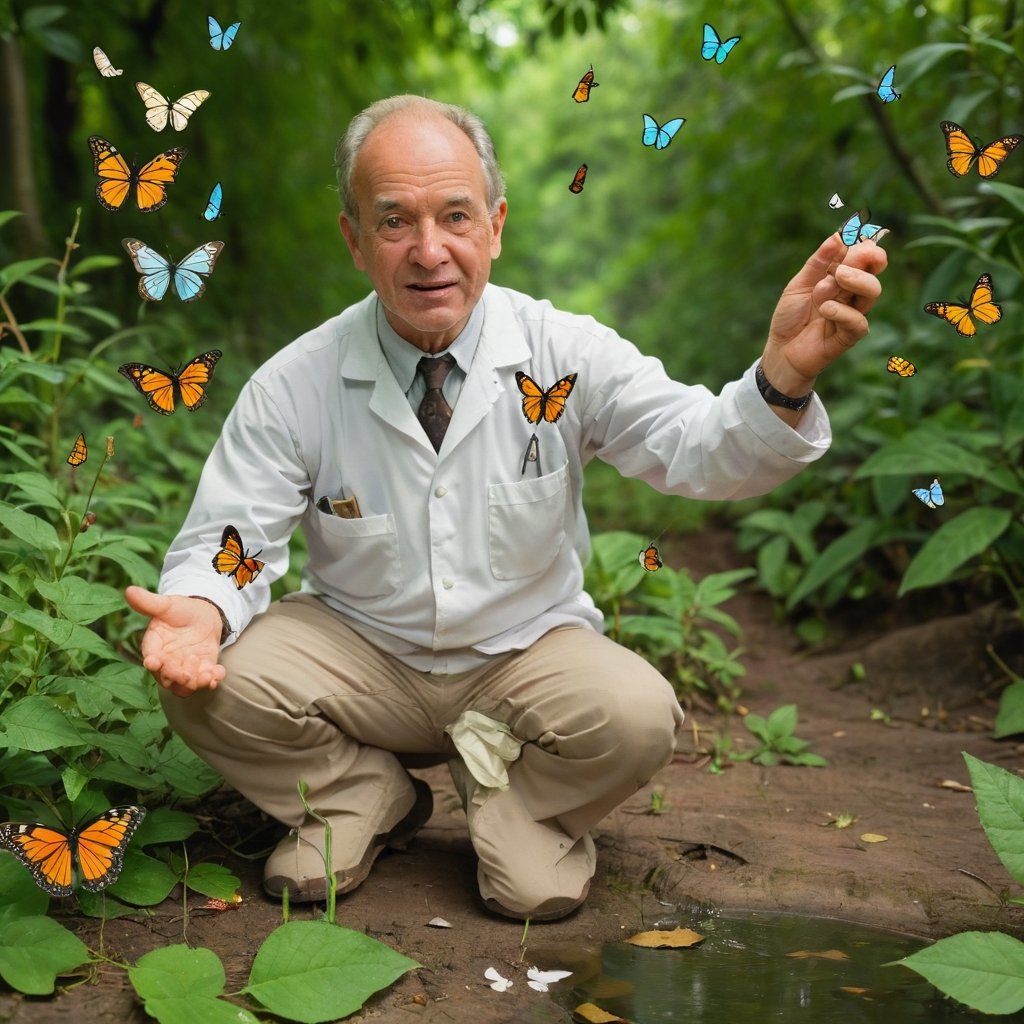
x=181 y=645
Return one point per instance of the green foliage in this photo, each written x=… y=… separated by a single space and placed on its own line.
x=666 y=616
x=985 y=970
x=778 y=742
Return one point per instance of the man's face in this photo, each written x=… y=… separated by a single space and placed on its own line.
x=426 y=239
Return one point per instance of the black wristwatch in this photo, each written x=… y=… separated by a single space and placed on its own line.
x=774 y=397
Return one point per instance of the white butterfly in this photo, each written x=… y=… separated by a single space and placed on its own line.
x=103 y=65
x=498 y=983
x=160 y=110
x=539 y=980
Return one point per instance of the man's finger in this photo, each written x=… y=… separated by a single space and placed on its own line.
x=145 y=601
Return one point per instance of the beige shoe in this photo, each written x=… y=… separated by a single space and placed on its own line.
x=550 y=910
x=298 y=864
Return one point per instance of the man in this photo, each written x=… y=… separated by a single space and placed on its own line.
x=442 y=613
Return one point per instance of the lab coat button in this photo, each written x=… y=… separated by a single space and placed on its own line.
x=447 y=583
x=440 y=492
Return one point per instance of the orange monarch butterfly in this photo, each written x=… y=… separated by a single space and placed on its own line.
x=904 y=367
x=162 y=389
x=91 y=856
x=582 y=91
x=539 y=404
x=963 y=151
x=160 y=110
x=118 y=178
x=577 y=182
x=234 y=561
x=79 y=451
x=650 y=559
x=980 y=307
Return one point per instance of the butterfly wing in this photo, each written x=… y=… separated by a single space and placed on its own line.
x=982 y=306
x=582 y=91
x=158 y=106
x=904 y=367
x=959 y=148
x=991 y=157
x=45 y=851
x=667 y=132
x=886 y=92
x=229 y=558
x=103 y=64
x=554 y=399
x=221 y=38
x=248 y=569
x=850 y=231
x=533 y=397
x=578 y=180
x=193 y=378
x=115 y=175
x=650 y=559
x=187 y=276
x=184 y=107
x=932 y=496
x=153 y=178
x=213 y=204
x=725 y=48
x=712 y=40
x=100 y=845
x=157 y=387
x=956 y=315
x=79 y=451
x=155 y=270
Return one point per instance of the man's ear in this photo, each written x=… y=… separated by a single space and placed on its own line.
x=351 y=235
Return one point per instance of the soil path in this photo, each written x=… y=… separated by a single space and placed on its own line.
x=751 y=837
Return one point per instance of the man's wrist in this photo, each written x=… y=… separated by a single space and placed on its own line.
x=225 y=630
x=790 y=396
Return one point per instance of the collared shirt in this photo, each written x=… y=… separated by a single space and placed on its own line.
x=463 y=553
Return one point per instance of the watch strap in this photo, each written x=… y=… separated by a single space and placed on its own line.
x=775 y=397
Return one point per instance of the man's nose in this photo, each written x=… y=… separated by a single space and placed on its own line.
x=429 y=249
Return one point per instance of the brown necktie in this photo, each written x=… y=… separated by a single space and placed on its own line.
x=434 y=412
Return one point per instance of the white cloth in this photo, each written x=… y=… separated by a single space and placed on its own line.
x=460 y=555
x=487 y=747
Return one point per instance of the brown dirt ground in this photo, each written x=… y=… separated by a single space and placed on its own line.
x=751 y=838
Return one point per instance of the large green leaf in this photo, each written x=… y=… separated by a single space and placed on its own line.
x=181 y=986
x=952 y=544
x=985 y=970
x=1000 y=799
x=80 y=601
x=29 y=529
x=34 y=950
x=1010 y=719
x=36 y=723
x=312 y=971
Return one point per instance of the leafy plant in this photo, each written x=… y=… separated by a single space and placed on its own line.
x=985 y=970
x=779 y=744
x=668 y=617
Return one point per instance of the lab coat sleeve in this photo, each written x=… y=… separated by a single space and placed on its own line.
x=255 y=480
x=682 y=439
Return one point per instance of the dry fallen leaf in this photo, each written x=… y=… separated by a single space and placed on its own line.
x=438 y=922
x=592 y=1014
x=873 y=837
x=957 y=787
x=678 y=938
x=818 y=954
x=840 y=821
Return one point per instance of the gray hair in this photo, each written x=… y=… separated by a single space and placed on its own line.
x=363 y=123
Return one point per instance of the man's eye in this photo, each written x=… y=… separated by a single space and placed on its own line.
x=393 y=222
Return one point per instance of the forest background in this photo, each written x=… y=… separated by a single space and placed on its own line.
x=683 y=250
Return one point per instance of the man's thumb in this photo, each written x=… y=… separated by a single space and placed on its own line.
x=145 y=601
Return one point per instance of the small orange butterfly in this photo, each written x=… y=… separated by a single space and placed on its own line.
x=980 y=307
x=234 y=561
x=904 y=367
x=162 y=389
x=92 y=855
x=650 y=559
x=539 y=404
x=963 y=152
x=79 y=451
x=577 y=182
x=582 y=91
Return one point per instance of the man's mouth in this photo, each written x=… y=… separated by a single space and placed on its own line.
x=436 y=286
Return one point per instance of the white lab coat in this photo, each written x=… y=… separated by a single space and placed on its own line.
x=460 y=554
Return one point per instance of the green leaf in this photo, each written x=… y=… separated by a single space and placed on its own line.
x=782 y=721
x=15 y=272
x=65 y=635
x=1010 y=719
x=35 y=723
x=165 y=825
x=312 y=971
x=37 y=488
x=90 y=263
x=34 y=950
x=1012 y=194
x=29 y=529
x=213 y=880
x=952 y=544
x=145 y=881
x=999 y=796
x=984 y=970
x=19 y=894
x=181 y=985
x=843 y=552
x=80 y=601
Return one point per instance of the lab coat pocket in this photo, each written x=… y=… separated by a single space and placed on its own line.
x=526 y=523
x=359 y=556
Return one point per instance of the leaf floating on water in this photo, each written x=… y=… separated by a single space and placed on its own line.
x=678 y=938
x=818 y=954
x=590 y=1013
x=873 y=837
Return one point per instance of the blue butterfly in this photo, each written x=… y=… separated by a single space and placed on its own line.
x=213 y=210
x=221 y=38
x=157 y=272
x=660 y=136
x=713 y=47
x=856 y=229
x=931 y=496
x=886 y=93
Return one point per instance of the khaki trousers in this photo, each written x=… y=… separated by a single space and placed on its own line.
x=305 y=697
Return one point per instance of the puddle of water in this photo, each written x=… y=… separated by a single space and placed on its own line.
x=741 y=974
